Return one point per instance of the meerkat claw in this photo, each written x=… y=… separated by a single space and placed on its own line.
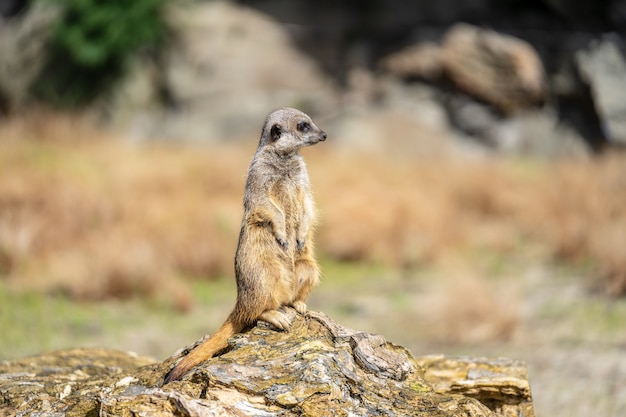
x=283 y=243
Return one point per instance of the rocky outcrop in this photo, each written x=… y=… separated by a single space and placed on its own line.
x=227 y=64
x=225 y=68
x=502 y=70
x=502 y=86
x=318 y=368
x=422 y=61
x=23 y=41
x=603 y=67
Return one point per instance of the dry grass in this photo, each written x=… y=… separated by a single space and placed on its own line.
x=96 y=218
x=403 y=213
x=86 y=214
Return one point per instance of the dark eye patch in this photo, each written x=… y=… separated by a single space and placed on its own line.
x=304 y=126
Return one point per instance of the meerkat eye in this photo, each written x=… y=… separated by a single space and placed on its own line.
x=304 y=126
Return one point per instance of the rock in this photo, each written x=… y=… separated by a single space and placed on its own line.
x=499 y=69
x=68 y=382
x=482 y=379
x=23 y=40
x=317 y=368
x=228 y=66
x=539 y=134
x=422 y=61
x=473 y=118
x=408 y=122
x=224 y=69
x=135 y=105
x=531 y=132
x=603 y=67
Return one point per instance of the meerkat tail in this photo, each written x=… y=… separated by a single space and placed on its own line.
x=204 y=351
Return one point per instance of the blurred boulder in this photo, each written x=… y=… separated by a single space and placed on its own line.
x=224 y=69
x=539 y=134
x=23 y=41
x=502 y=70
x=228 y=66
x=533 y=132
x=422 y=61
x=602 y=66
x=473 y=118
x=135 y=105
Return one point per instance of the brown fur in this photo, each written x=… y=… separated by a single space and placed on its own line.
x=274 y=264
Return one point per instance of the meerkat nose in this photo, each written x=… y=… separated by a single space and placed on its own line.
x=324 y=136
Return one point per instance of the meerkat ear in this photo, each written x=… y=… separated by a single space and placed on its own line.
x=275 y=132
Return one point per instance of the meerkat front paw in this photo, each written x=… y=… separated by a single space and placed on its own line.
x=300 y=306
x=300 y=243
x=276 y=318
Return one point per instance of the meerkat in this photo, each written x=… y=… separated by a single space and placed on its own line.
x=274 y=262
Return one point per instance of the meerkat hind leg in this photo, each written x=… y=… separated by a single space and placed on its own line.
x=276 y=318
x=307 y=273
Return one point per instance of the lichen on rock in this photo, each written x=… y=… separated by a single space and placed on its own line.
x=317 y=368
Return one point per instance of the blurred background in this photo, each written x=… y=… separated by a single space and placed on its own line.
x=471 y=195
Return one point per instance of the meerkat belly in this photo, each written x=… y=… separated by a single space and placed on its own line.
x=288 y=197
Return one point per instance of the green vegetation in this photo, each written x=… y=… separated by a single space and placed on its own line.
x=33 y=322
x=423 y=310
x=92 y=44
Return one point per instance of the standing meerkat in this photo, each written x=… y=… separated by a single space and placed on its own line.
x=274 y=263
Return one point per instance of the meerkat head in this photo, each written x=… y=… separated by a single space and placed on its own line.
x=286 y=130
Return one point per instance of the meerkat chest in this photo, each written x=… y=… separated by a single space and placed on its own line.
x=289 y=195
x=291 y=186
